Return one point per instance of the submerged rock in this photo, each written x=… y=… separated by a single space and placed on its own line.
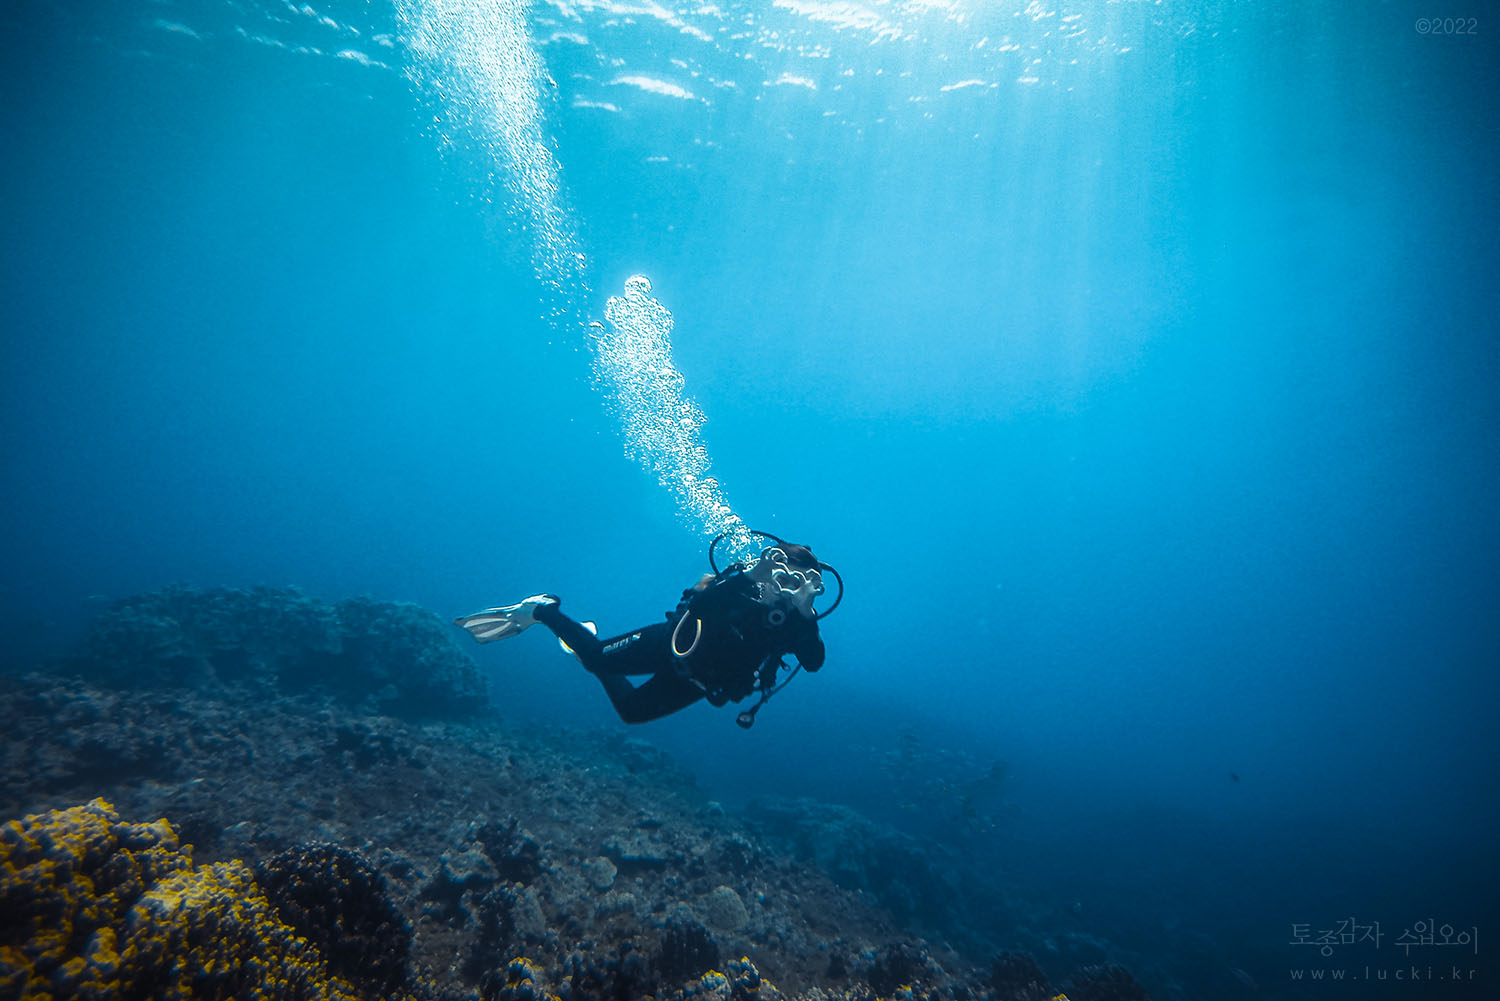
x=724 y=910
x=600 y=872
x=386 y=657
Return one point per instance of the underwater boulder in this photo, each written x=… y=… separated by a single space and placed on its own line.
x=390 y=657
x=407 y=657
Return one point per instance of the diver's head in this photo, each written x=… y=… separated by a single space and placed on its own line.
x=797 y=556
x=788 y=572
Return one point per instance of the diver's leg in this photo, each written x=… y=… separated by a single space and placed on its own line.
x=643 y=651
x=584 y=643
x=661 y=695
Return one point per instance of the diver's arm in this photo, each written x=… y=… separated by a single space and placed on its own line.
x=809 y=647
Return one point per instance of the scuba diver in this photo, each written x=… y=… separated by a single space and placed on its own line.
x=726 y=639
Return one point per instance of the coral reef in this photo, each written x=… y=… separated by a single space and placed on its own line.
x=365 y=849
x=68 y=874
x=918 y=882
x=686 y=951
x=897 y=965
x=521 y=980
x=620 y=974
x=331 y=897
x=405 y=659
x=739 y=981
x=389 y=657
x=947 y=794
x=724 y=910
x=97 y=908
x=496 y=935
x=614 y=878
x=513 y=852
x=1105 y=983
x=1015 y=976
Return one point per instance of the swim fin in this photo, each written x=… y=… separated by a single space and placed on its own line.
x=506 y=621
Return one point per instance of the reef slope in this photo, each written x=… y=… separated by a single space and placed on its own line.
x=350 y=743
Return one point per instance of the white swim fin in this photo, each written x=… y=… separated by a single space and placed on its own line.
x=506 y=621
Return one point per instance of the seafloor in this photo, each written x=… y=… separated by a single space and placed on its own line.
x=253 y=794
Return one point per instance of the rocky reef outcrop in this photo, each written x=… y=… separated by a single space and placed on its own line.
x=383 y=657
x=342 y=837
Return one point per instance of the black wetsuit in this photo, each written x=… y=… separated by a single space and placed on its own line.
x=740 y=633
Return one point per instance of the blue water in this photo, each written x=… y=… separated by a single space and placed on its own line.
x=1136 y=367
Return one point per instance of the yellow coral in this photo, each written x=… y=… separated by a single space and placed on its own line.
x=102 y=909
x=524 y=982
x=65 y=874
x=209 y=932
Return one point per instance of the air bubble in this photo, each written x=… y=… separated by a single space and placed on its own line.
x=633 y=365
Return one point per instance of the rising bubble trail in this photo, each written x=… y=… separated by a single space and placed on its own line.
x=475 y=62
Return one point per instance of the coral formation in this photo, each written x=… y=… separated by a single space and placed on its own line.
x=68 y=874
x=739 y=981
x=600 y=872
x=395 y=658
x=406 y=659
x=496 y=937
x=724 y=910
x=687 y=950
x=897 y=965
x=513 y=852
x=620 y=974
x=896 y=869
x=206 y=933
x=97 y=908
x=331 y=897
x=1015 y=976
x=1105 y=982
x=520 y=981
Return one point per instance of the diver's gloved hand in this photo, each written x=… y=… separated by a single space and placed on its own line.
x=506 y=621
